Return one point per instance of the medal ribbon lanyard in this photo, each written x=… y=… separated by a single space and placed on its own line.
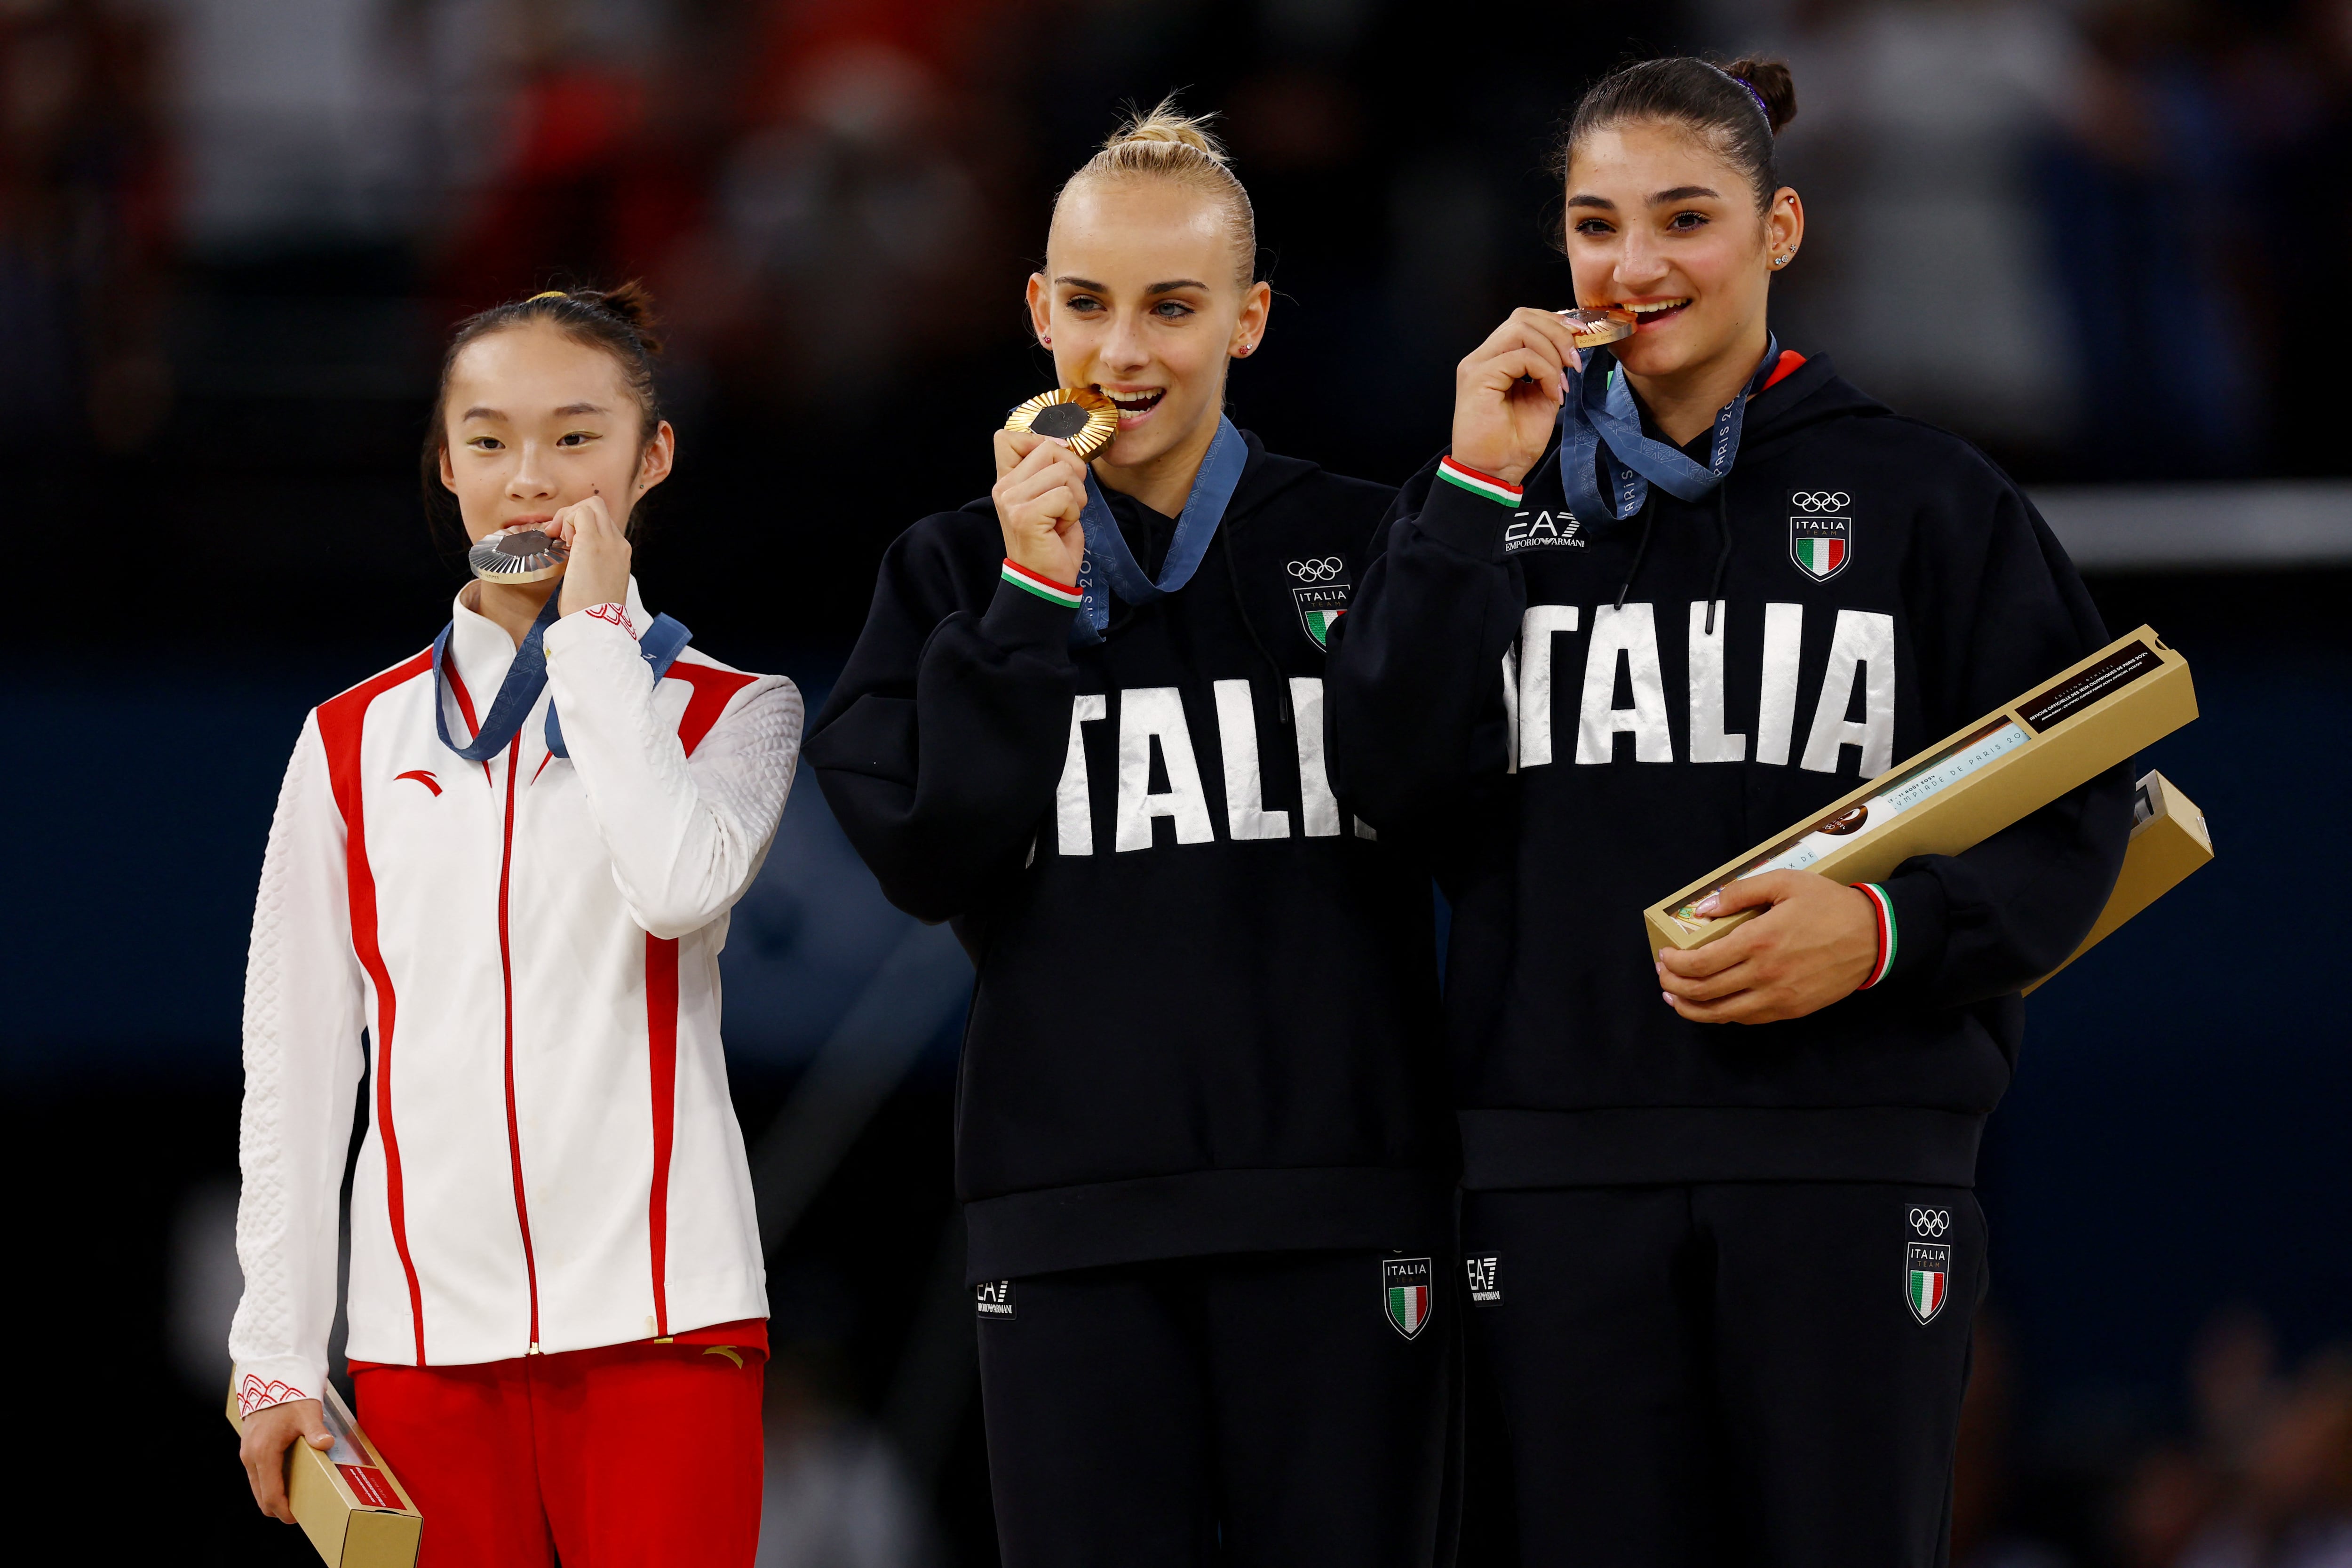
x=1600 y=437
x=1110 y=566
x=527 y=677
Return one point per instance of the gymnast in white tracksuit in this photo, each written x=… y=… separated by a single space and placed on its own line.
x=516 y=885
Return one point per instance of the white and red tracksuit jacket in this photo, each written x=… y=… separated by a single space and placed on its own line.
x=531 y=946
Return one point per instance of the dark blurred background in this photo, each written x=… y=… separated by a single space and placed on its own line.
x=2109 y=242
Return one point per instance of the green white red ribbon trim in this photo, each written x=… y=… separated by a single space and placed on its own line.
x=1884 y=908
x=1045 y=587
x=1478 y=484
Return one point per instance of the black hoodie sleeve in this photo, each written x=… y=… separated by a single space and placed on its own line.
x=1998 y=609
x=1415 y=680
x=942 y=745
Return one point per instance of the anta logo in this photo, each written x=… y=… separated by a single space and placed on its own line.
x=1821 y=534
x=424 y=776
x=1532 y=529
x=1321 y=596
x=1156 y=768
x=1568 y=703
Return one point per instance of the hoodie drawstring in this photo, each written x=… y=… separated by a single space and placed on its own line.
x=1233 y=577
x=1649 y=516
x=1723 y=555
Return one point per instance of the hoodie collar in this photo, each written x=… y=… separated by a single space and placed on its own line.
x=1813 y=394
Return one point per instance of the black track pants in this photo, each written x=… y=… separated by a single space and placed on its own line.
x=1732 y=1374
x=1266 y=1411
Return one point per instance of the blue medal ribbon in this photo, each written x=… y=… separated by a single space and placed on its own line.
x=527 y=677
x=1109 y=566
x=1601 y=442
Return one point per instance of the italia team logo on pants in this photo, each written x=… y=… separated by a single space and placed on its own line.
x=1821 y=541
x=1405 y=1285
x=1926 y=1278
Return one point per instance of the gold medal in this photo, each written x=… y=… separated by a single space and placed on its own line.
x=1592 y=329
x=525 y=554
x=1078 y=414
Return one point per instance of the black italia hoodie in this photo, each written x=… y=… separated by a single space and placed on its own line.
x=1877 y=583
x=1205 y=1013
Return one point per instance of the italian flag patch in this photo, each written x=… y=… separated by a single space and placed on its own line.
x=1928 y=1278
x=1821 y=557
x=1405 y=1287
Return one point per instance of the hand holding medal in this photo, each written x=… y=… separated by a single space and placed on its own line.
x=599 y=569
x=1507 y=393
x=1041 y=478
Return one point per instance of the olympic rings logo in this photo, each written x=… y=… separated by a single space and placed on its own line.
x=1931 y=1221
x=1321 y=571
x=1818 y=500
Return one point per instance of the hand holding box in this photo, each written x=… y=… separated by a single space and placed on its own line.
x=1970 y=785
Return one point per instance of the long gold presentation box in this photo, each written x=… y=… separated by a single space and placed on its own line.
x=2168 y=840
x=346 y=1498
x=1964 y=789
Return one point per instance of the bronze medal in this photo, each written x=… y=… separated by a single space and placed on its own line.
x=1078 y=414
x=1593 y=329
x=518 y=555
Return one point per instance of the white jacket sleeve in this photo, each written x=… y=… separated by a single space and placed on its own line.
x=303 y=1017
x=686 y=834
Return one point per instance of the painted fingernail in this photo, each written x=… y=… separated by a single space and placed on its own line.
x=1667 y=997
x=1706 y=906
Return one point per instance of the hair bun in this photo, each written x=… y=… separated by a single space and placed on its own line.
x=634 y=303
x=1770 y=81
x=1169 y=123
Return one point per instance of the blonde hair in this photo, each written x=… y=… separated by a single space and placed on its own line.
x=1169 y=145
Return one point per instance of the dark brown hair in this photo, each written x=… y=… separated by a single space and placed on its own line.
x=618 y=320
x=1737 y=109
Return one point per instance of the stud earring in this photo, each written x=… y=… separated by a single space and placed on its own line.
x=1784 y=259
x=1047 y=339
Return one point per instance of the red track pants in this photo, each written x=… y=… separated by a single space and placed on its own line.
x=636 y=1455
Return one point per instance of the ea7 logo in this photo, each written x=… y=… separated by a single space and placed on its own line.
x=1484 y=1273
x=1821 y=538
x=1532 y=529
x=992 y=1298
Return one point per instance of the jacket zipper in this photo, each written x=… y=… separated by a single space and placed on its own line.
x=506 y=976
